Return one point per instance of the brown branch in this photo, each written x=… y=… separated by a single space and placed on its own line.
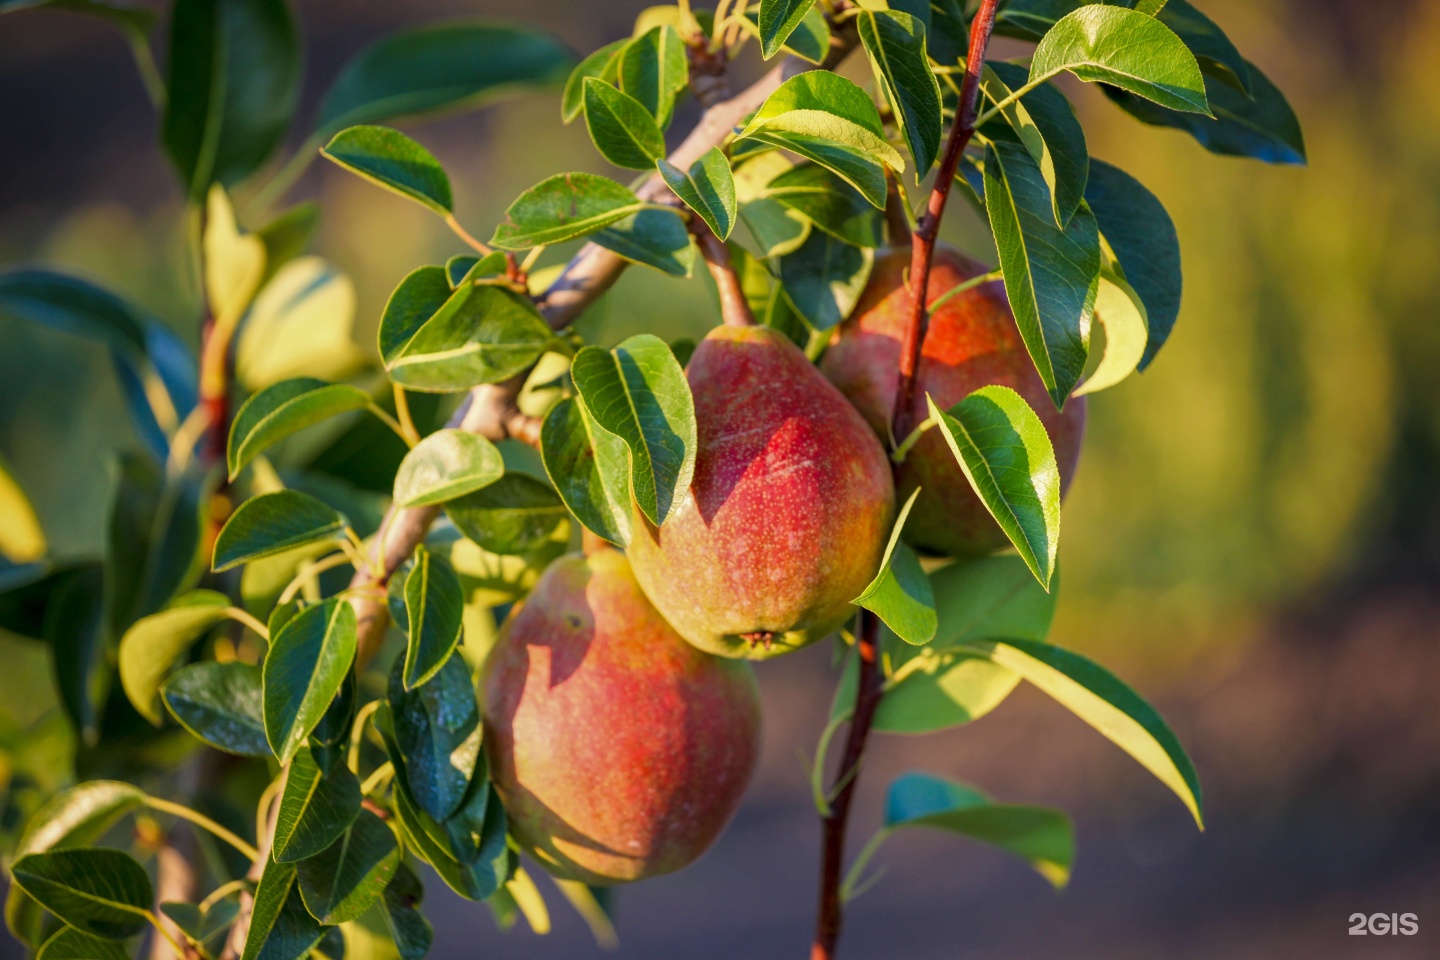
x=870 y=686
x=734 y=308
x=922 y=244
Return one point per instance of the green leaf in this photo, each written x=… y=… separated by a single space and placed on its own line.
x=152 y=540
x=447 y=66
x=708 y=188
x=316 y=807
x=995 y=596
x=895 y=44
x=75 y=633
x=1142 y=237
x=820 y=111
x=1051 y=275
x=590 y=469
x=421 y=295
x=280 y=926
x=304 y=670
x=462 y=269
x=855 y=167
x=98 y=891
x=300 y=324
x=273 y=523
x=514 y=515
x=1263 y=128
x=1100 y=43
x=1040 y=835
x=234 y=260
x=434 y=603
x=341 y=882
x=653 y=70
x=437 y=731
x=70 y=944
x=220 y=704
x=829 y=203
x=655 y=237
x=778 y=19
x=1102 y=700
x=285 y=408
x=776 y=229
x=333 y=730
x=1003 y=449
x=392 y=160
x=1045 y=123
x=603 y=64
x=621 y=127
x=900 y=594
x=483 y=333
x=808 y=40
x=153 y=645
x=205 y=928
x=476 y=879
x=1217 y=55
x=1122 y=314
x=412 y=932
x=824 y=277
x=638 y=392
x=563 y=207
x=447 y=464
x=233 y=79
x=287 y=235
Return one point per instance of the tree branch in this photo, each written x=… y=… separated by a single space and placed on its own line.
x=734 y=308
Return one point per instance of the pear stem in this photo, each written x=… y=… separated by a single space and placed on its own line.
x=922 y=245
x=734 y=308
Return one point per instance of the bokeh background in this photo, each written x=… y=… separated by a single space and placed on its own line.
x=1253 y=539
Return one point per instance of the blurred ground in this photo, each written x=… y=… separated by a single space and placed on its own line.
x=1253 y=539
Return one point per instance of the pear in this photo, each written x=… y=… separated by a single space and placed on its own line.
x=787 y=516
x=619 y=750
x=972 y=342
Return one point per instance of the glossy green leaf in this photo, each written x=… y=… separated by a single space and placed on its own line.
x=1120 y=311
x=392 y=160
x=778 y=19
x=513 y=515
x=1003 y=449
x=273 y=523
x=621 y=127
x=70 y=944
x=1263 y=128
x=434 y=603
x=285 y=408
x=220 y=704
x=477 y=879
x=808 y=40
x=656 y=237
x=895 y=44
x=941 y=689
x=1100 y=43
x=447 y=464
x=1045 y=123
x=900 y=594
x=829 y=203
x=421 y=295
x=1217 y=55
x=1102 y=700
x=482 y=334
x=708 y=188
x=855 y=167
x=1051 y=275
x=653 y=69
x=280 y=926
x=234 y=74
x=776 y=228
x=1141 y=235
x=333 y=730
x=98 y=891
x=412 y=932
x=1040 y=835
x=437 y=730
x=638 y=392
x=342 y=881
x=994 y=596
x=153 y=645
x=304 y=670
x=824 y=277
x=590 y=468
x=445 y=66
x=75 y=633
x=603 y=64
x=563 y=207
x=316 y=807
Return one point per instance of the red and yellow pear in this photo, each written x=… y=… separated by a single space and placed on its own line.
x=787 y=516
x=620 y=750
x=972 y=342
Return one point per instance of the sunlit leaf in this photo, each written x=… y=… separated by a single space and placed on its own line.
x=900 y=594
x=434 y=603
x=306 y=664
x=513 y=515
x=273 y=523
x=621 y=127
x=392 y=160
x=590 y=469
x=708 y=188
x=285 y=408
x=153 y=645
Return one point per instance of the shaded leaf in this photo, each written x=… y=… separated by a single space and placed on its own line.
x=285 y=408
x=273 y=523
x=829 y=203
x=418 y=298
x=412 y=932
x=808 y=40
x=304 y=670
x=434 y=604
x=621 y=127
x=1217 y=55
x=1003 y=449
x=655 y=237
x=895 y=43
x=590 y=469
x=995 y=596
x=437 y=731
x=152 y=540
x=316 y=807
x=563 y=207
x=153 y=645
x=98 y=891
x=900 y=593
x=280 y=926
x=392 y=160
x=1045 y=123
x=824 y=277
x=75 y=631
x=220 y=704
x=447 y=464
x=776 y=229
x=482 y=334
x=207 y=928
x=708 y=188
x=341 y=882
x=513 y=515
x=70 y=944
x=79 y=815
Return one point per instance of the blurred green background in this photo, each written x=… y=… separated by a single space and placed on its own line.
x=1253 y=538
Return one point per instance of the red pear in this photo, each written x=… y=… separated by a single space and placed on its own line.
x=620 y=750
x=791 y=504
x=972 y=342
